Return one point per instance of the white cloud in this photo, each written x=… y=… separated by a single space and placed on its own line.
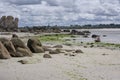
x=62 y=12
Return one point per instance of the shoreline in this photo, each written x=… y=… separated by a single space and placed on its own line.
x=25 y=36
x=95 y=63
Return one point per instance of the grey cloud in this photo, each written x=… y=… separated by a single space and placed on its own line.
x=24 y=2
x=61 y=12
x=104 y=12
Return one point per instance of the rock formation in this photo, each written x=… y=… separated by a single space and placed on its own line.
x=8 y=23
x=13 y=48
x=9 y=46
x=21 y=49
x=4 y=54
x=35 y=45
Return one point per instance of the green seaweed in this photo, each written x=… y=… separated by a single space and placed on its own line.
x=54 y=37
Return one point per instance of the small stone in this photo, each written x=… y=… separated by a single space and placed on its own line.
x=91 y=46
x=46 y=48
x=72 y=54
x=58 y=46
x=104 y=54
x=23 y=61
x=68 y=50
x=58 y=50
x=53 y=52
x=66 y=54
x=47 y=56
x=85 y=46
x=78 y=51
x=30 y=61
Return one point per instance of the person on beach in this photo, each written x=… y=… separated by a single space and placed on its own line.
x=97 y=39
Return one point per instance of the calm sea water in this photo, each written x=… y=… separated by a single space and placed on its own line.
x=112 y=35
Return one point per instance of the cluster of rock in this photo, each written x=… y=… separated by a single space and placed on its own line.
x=83 y=33
x=16 y=47
x=13 y=48
x=35 y=45
x=38 y=29
x=8 y=23
x=75 y=32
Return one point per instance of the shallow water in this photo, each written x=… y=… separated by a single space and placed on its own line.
x=112 y=35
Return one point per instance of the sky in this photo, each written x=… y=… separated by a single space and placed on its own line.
x=62 y=12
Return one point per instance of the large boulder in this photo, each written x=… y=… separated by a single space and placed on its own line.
x=21 y=49
x=35 y=45
x=21 y=52
x=4 y=54
x=38 y=49
x=18 y=43
x=9 y=46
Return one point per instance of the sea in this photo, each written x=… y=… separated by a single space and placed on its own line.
x=111 y=35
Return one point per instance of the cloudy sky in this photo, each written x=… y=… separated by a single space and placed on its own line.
x=62 y=12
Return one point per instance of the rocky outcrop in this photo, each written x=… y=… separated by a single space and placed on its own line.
x=35 y=45
x=21 y=49
x=8 y=23
x=9 y=46
x=84 y=33
x=75 y=32
x=4 y=54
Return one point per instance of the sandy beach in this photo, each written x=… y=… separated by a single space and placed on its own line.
x=93 y=64
x=59 y=39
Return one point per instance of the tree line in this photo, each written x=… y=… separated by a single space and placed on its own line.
x=88 y=26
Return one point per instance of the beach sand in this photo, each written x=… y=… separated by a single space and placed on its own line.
x=93 y=64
